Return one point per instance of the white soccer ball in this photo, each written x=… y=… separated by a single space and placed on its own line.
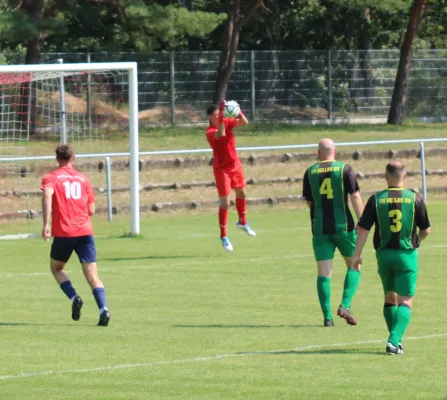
x=232 y=109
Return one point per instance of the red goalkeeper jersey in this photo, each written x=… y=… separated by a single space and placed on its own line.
x=224 y=148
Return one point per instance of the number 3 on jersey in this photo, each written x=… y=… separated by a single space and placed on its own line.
x=326 y=188
x=72 y=190
x=396 y=217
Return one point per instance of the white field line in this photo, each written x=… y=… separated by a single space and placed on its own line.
x=206 y=358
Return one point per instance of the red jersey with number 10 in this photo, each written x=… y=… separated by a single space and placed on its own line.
x=73 y=193
x=224 y=148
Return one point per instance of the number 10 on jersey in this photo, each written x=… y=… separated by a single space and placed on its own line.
x=72 y=190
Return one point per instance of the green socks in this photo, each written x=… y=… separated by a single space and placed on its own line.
x=388 y=313
x=352 y=281
x=401 y=320
x=324 y=295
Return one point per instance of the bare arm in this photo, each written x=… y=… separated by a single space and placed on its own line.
x=242 y=120
x=47 y=195
x=91 y=209
x=423 y=234
x=357 y=204
x=221 y=128
x=362 y=236
x=309 y=204
x=220 y=131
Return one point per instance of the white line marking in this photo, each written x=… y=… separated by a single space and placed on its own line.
x=206 y=358
x=434 y=246
x=20 y=236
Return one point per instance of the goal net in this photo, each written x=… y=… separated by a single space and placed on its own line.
x=93 y=107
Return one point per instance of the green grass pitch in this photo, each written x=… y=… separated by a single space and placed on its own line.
x=190 y=321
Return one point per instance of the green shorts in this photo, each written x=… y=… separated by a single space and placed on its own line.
x=324 y=245
x=398 y=270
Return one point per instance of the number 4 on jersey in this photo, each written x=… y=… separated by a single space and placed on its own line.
x=72 y=190
x=326 y=188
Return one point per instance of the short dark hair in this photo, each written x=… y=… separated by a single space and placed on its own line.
x=64 y=152
x=395 y=169
x=211 y=109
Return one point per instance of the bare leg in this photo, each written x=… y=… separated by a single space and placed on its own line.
x=90 y=271
x=57 y=269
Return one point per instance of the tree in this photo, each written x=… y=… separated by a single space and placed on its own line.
x=100 y=25
x=399 y=99
x=237 y=18
x=27 y=23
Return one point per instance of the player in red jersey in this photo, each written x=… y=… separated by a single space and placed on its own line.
x=68 y=196
x=227 y=168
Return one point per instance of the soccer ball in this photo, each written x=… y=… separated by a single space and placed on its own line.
x=232 y=109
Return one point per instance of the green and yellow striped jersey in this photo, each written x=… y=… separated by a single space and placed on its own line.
x=396 y=213
x=327 y=185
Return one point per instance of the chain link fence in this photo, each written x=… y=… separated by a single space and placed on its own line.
x=175 y=88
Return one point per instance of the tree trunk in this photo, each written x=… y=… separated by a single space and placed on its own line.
x=366 y=61
x=228 y=53
x=399 y=99
x=35 y=10
x=236 y=20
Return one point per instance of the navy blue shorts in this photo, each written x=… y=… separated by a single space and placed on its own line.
x=84 y=246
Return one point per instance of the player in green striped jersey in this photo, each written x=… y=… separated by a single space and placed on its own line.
x=397 y=213
x=326 y=188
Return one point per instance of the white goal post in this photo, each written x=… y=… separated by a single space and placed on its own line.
x=15 y=134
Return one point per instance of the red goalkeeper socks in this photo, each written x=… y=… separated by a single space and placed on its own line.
x=223 y=219
x=241 y=206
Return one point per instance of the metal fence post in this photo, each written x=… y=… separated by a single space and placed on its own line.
x=329 y=85
x=172 y=79
x=423 y=172
x=62 y=104
x=252 y=85
x=109 y=189
x=89 y=95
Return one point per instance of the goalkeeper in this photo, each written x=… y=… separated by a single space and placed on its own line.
x=227 y=168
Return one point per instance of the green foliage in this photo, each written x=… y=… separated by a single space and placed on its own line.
x=146 y=25
x=385 y=5
x=16 y=27
x=155 y=26
x=81 y=25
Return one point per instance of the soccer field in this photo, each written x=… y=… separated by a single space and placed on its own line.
x=190 y=321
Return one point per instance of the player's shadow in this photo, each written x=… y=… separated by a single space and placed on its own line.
x=318 y=351
x=153 y=257
x=225 y=326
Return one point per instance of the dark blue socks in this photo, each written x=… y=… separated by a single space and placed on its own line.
x=100 y=297
x=68 y=289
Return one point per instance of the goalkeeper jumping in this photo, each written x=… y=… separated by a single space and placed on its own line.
x=227 y=167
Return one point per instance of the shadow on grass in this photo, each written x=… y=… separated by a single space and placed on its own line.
x=224 y=326
x=319 y=351
x=146 y=258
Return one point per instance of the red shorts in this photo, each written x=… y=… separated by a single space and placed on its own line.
x=229 y=178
